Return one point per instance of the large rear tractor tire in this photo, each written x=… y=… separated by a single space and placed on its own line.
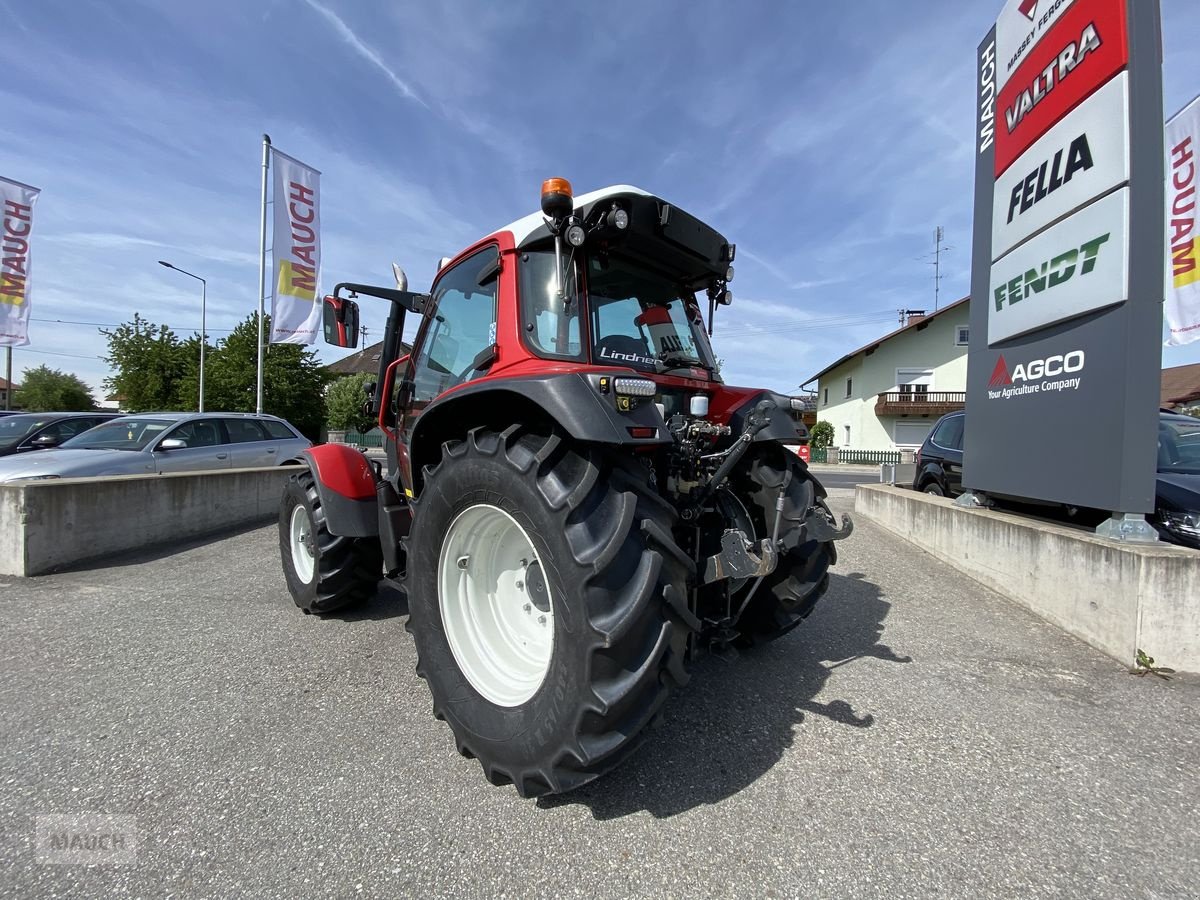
x=789 y=594
x=324 y=572
x=548 y=603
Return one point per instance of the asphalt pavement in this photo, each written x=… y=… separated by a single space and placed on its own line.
x=919 y=736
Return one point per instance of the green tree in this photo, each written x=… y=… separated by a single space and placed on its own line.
x=820 y=435
x=150 y=366
x=48 y=390
x=344 y=404
x=293 y=379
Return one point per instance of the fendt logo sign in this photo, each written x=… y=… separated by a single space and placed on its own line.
x=1081 y=157
x=1036 y=376
x=1085 y=48
x=1050 y=274
x=1078 y=265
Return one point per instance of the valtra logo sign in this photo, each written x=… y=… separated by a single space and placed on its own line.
x=1085 y=48
x=1049 y=375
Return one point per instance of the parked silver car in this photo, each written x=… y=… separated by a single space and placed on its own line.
x=164 y=442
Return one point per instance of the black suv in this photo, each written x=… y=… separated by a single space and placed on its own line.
x=41 y=431
x=1176 y=513
x=939 y=461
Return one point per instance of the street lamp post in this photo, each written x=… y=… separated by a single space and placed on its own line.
x=203 y=324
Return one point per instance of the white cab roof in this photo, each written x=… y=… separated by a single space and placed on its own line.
x=527 y=225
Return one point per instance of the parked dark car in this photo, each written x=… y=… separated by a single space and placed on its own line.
x=1176 y=514
x=939 y=461
x=22 y=432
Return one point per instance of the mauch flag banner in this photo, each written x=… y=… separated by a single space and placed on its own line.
x=17 y=202
x=296 y=252
x=1183 y=235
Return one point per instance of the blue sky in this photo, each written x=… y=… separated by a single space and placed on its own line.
x=827 y=140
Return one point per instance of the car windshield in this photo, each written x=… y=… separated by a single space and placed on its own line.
x=15 y=428
x=1179 y=445
x=643 y=319
x=120 y=434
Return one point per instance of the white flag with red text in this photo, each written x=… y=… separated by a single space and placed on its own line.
x=1183 y=236
x=16 y=205
x=296 y=252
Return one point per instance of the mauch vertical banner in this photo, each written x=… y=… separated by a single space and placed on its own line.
x=17 y=200
x=296 y=252
x=1183 y=236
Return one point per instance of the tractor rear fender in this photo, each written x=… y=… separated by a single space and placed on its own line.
x=574 y=402
x=346 y=484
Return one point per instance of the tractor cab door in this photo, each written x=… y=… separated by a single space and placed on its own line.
x=457 y=338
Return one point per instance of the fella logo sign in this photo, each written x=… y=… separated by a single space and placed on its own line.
x=1048 y=375
x=1086 y=47
x=1080 y=158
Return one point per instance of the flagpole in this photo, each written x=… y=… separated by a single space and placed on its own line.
x=262 y=269
x=8 y=391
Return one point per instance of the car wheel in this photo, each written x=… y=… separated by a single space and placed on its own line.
x=934 y=488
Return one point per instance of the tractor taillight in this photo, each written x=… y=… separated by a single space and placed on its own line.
x=642 y=432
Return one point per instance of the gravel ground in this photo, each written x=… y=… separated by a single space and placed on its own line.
x=919 y=736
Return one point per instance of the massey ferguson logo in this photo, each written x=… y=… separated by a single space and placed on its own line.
x=1029 y=9
x=1036 y=376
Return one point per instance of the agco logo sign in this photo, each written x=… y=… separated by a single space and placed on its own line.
x=1037 y=376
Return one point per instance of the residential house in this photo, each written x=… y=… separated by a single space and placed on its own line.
x=1181 y=388
x=6 y=392
x=365 y=360
x=887 y=394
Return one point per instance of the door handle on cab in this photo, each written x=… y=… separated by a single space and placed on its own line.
x=222 y=456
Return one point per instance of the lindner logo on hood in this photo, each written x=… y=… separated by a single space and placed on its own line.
x=1036 y=376
x=1029 y=9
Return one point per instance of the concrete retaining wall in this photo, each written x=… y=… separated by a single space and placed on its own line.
x=49 y=525
x=1117 y=597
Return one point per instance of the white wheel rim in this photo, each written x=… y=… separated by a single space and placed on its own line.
x=488 y=580
x=302 y=554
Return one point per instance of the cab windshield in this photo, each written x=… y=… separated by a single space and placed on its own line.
x=638 y=317
x=120 y=434
x=644 y=319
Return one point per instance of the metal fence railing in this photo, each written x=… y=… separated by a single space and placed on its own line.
x=373 y=438
x=818 y=454
x=869 y=457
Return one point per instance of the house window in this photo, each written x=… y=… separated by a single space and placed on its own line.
x=962 y=336
x=914 y=381
x=826 y=396
x=847 y=443
x=849 y=387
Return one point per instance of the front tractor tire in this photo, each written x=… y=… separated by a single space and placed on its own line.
x=548 y=603
x=789 y=594
x=324 y=572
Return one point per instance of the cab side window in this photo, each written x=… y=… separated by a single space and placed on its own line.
x=461 y=327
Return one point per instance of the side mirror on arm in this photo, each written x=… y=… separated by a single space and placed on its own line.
x=172 y=444
x=339 y=320
x=45 y=441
